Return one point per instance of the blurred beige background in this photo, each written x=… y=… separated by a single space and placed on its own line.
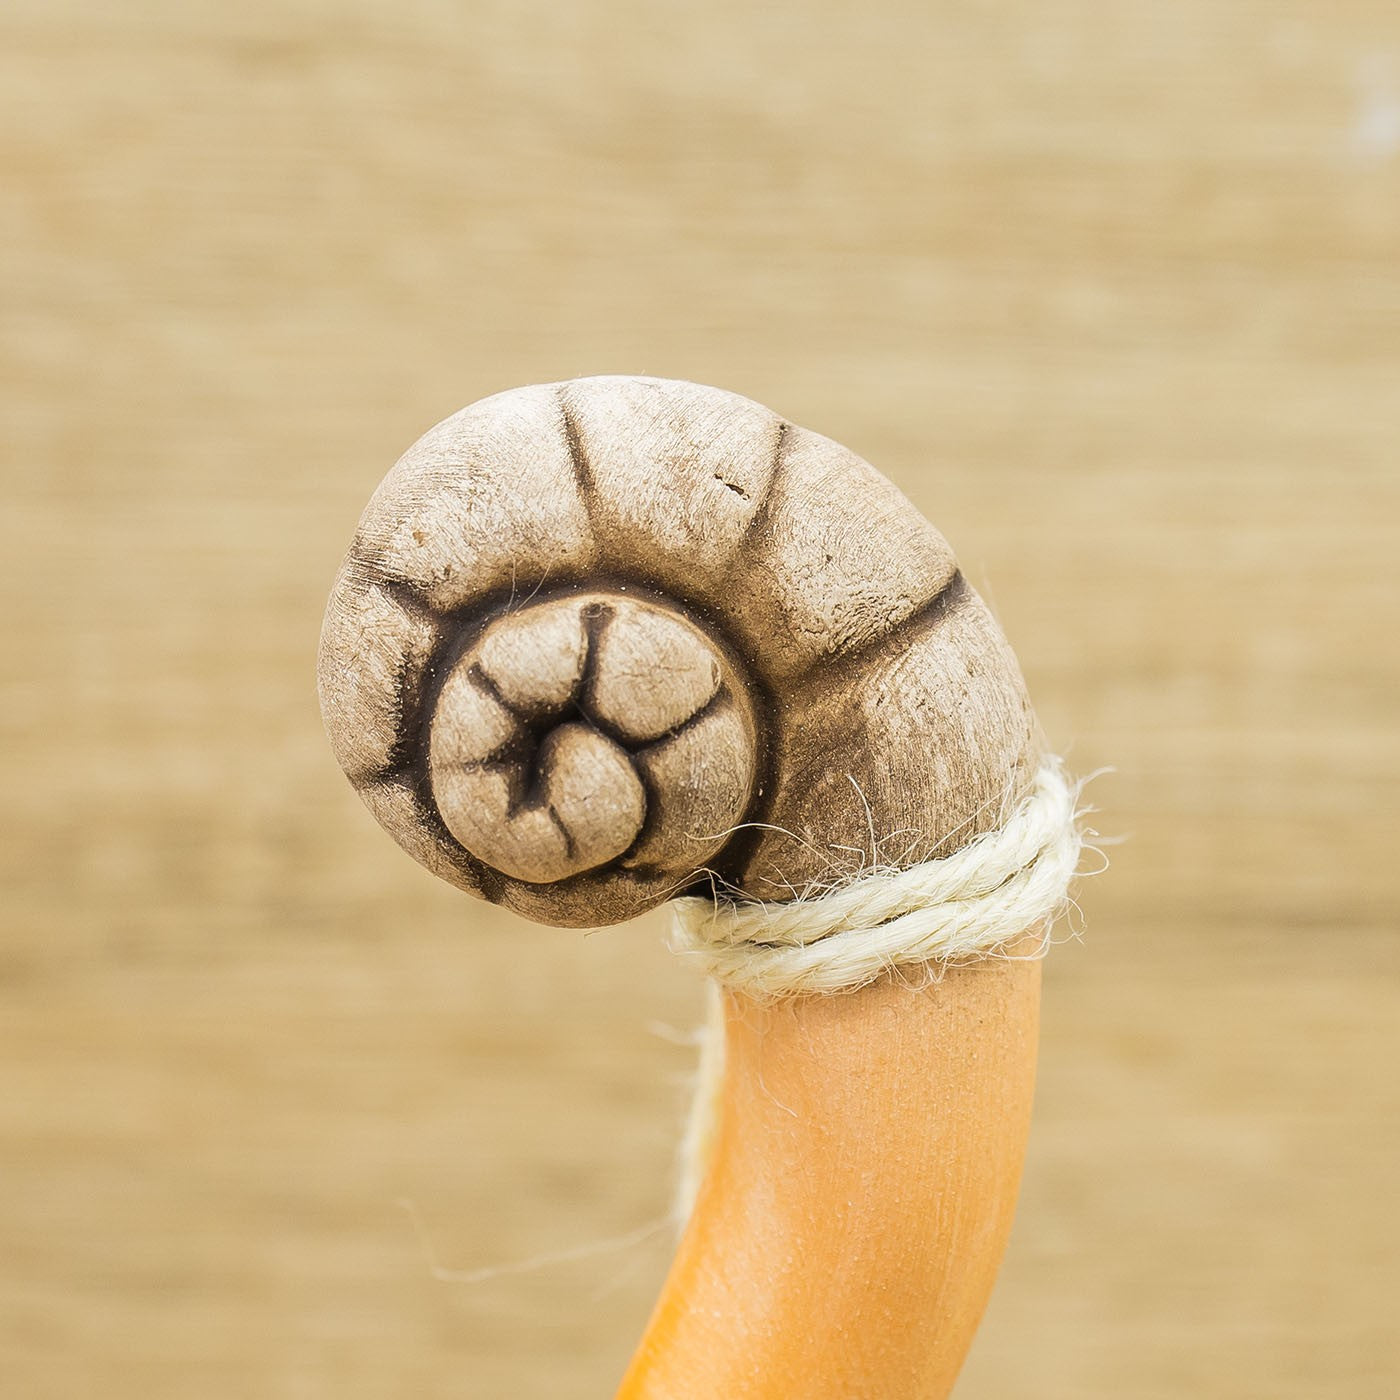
x=1111 y=289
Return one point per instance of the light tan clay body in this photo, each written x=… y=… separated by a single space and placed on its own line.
x=601 y=643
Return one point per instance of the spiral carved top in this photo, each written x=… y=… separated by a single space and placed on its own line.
x=587 y=729
x=598 y=642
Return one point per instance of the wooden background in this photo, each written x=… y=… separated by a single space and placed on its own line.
x=1111 y=289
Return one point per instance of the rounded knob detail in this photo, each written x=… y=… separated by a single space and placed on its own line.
x=583 y=730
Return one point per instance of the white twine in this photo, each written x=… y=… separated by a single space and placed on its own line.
x=996 y=889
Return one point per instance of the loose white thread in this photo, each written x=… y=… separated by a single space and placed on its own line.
x=969 y=905
x=697 y=1147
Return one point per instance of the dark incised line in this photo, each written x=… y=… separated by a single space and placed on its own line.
x=709 y=707
x=759 y=519
x=487 y=879
x=651 y=815
x=570 y=848
x=408 y=598
x=925 y=616
x=504 y=758
x=606 y=728
x=583 y=470
x=596 y=617
x=953 y=593
x=408 y=765
x=653 y=810
x=732 y=861
x=409 y=687
x=368 y=554
x=397 y=772
x=479 y=678
x=524 y=789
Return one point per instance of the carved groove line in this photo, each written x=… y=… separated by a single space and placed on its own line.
x=578 y=458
